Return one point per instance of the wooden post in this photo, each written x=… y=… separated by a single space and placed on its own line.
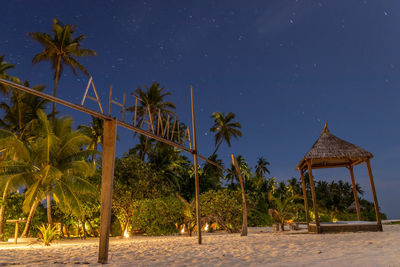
x=244 y=225
x=371 y=180
x=303 y=183
x=353 y=182
x=196 y=171
x=314 y=196
x=109 y=139
x=16 y=233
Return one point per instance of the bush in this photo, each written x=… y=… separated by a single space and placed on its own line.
x=258 y=218
x=49 y=234
x=158 y=216
x=224 y=207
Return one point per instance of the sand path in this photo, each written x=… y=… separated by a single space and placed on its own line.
x=257 y=249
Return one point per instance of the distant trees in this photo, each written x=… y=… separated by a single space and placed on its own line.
x=48 y=161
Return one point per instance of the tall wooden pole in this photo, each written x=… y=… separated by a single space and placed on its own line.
x=376 y=205
x=244 y=225
x=353 y=182
x=109 y=140
x=196 y=171
x=314 y=196
x=303 y=183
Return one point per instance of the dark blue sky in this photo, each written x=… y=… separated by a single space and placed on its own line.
x=284 y=67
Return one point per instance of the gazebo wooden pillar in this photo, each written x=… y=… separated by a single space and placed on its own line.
x=305 y=197
x=330 y=151
x=353 y=182
x=314 y=195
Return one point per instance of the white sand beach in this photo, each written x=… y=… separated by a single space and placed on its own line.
x=291 y=248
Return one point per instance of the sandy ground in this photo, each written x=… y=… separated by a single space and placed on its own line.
x=292 y=248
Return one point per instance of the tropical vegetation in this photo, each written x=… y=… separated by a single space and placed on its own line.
x=50 y=171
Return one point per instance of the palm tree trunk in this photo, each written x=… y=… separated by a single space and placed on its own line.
x=84 y=229
x=216 y=149
x=56 y=78
x=48 y=208
x=3 y=208
x=62 y=229
x=25 y=233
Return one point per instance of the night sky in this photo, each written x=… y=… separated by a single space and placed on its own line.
x=283 y=67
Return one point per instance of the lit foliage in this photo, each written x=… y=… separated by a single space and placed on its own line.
x=159 y=216
x=223 y=207
x=48 y=233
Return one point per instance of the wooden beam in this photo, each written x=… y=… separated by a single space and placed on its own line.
x=376 y=205
x=244 y=224
x=353 y=182
x=330 y=166
x=303 y=183
x=314 y=196
x=109 y=140
x=16 y=233
x=196 y=171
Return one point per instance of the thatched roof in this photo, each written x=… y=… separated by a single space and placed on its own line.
x=331 y=151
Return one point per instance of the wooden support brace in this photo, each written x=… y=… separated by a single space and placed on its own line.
x=196 y=171
x=353 y=182
x=303 y=183
x=109 y=140
x=376 y=205
x=314 y=197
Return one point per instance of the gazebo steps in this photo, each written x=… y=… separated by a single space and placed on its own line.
x=338 y=227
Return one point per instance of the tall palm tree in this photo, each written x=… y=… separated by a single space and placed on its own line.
x=262 y=167
x=153 y=102
x=224 y=129
x=153 y=99
x=4 y=68
x=61 y=49
x=62 y=161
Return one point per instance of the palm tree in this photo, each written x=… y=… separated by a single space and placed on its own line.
x=261 y=167
x=142 y=147
x=188 y=212
x=55 y=166
x=13 y=174
x=14 y=138
x=285 y=207
x=21 y=110
x=94 y=132
x=4 y=67
x=61 y=48
x=152 y=101
x=224 y=128
x=61 y=162
x=152 y=98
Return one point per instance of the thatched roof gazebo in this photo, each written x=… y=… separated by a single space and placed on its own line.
x=330 y=151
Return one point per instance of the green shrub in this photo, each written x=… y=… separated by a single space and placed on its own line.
x=223 y=207
x=49 y=234
x=258 y=218
x=158 y=216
